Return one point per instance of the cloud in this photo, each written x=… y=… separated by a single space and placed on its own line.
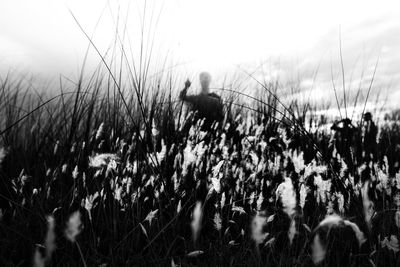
x=362 y=44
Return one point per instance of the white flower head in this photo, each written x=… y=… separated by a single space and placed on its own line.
x=260 y=201
x=286 y=193
x=216 y=183
x=196 y=220
x=74 y=226
x=100 y=131
x=257 y=232
x=75 y=173
x=303 y=195
x=3 y=154
x=397 y=218
x=392 y=243
x=292 y=231
x=50 y=237
x=318 y=250
x=217 y=221
x=102 y=160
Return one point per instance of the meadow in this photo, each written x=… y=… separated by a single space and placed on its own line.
x=102 y=177
x=113 y=170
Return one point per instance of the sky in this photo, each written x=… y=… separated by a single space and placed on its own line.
x=287 y=38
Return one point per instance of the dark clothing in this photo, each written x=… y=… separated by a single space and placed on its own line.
x=208 y=106
x=343 y=140
x=369 y=145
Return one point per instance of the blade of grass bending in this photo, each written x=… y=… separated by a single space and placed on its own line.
x=342 y=66
x=312 y=87
x=79 y=85
x=138 y=95
x=283 y=122
x=156 y=163
x=358 y=93
x=135 y=77
x=334 y=90
x=291 y=113
x=300 y=127
x=32 y=111
x=168 y=224
x=369 y=89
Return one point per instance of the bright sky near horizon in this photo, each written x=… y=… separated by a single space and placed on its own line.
x=42 y=37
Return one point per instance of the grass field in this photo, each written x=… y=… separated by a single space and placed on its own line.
x=113 y=170
x=101 y=177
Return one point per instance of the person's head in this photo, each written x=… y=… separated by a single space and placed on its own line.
x=367 y=116
x=334 y=240
x=346 y=122
x=205 y=79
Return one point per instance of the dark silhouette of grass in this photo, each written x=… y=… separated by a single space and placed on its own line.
x=136 y=207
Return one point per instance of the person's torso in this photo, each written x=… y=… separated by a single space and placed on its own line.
x=208 y=106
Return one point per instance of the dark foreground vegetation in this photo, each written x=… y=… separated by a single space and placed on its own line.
x=94 y=178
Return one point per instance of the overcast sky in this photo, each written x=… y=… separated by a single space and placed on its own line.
x=41 y=36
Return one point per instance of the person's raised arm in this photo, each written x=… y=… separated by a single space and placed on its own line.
x=182 y=95
x=187 y=98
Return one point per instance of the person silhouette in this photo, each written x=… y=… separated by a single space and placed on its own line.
x=207 y=105
x=368 y=138
x=342 y=141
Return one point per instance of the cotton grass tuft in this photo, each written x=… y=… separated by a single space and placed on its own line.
x=74 y=226
x=196 y=220
x=257 y=232
x=287 y=195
